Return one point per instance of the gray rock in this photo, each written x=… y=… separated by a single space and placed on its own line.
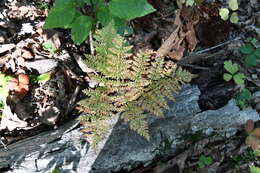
x=6 y=47
x=122 y=147
x=41 y=65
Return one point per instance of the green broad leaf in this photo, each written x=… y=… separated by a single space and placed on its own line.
x=254 y=169
x=233 y=5
x=234 y=18
x=241 y=103
x=98 y=4
x=224 y=13
x=245 y=94
x=43 y=77
x=69 y=26
x=60 y=17
x=250 y=60
x=204 y=161
x=247 y=48
x=189 y=2
x=130 y=9
x=239 y=79
x=104 y=16
x=65 y=4
x=227 y=77
x=242 y=98
x=122 y=27
x=81 y=28
x=230 y=67
x=257 y=53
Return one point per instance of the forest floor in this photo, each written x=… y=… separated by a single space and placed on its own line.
x=195 y=38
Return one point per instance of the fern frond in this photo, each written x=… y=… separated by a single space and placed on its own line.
x=183 y=76
x=140 y=64
x=156 y=71
x=103 y=39
x=97 y=102
x=130 y=84
x=135 y=116
x=95 y=130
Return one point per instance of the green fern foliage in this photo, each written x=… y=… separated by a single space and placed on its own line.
x=135 y=115
x=131 y=84
x=95 y=129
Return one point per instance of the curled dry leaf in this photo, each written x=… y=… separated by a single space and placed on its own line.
x=12 y=84
x=20 y=85
x=22 y=90
x=252 y=142
x=256 y=133
x=23 y=79
x=191 y=36
x=249 y=126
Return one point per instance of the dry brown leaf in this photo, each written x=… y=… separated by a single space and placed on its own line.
x=191 y=37
x=256 y=133
x=183 y=37
x=174 y=39
x=252 y=142
x=249 y=126
x=178 y=54
x=26 y=54
x=169 y=43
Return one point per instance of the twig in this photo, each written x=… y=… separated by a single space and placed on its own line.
x=193 y=66
x=92 y=51
x=72 y=101
x=82 y=65
x=5 y=147
x=214 y=47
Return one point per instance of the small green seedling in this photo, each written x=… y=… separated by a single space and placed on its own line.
x=187 y=2
x=49 y=47
x=4 y=90
x=190 y=2
x=242 y=98
x=252 y=53
x=232 y=69
x=42 y=5
x=253 y=137
x=249 y=155
x=204 y=161
x=55 y=171
x=254 y=169
x=40 y=78
x=224 y=12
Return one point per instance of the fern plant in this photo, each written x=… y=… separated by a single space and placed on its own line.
x=131 y=84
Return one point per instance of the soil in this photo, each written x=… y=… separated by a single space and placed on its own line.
x=201 y=45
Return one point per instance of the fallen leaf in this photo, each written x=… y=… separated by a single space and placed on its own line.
x=191 y=38
x=256 y=133
x=252 y=142
x=178 y=54
x=249 y=126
